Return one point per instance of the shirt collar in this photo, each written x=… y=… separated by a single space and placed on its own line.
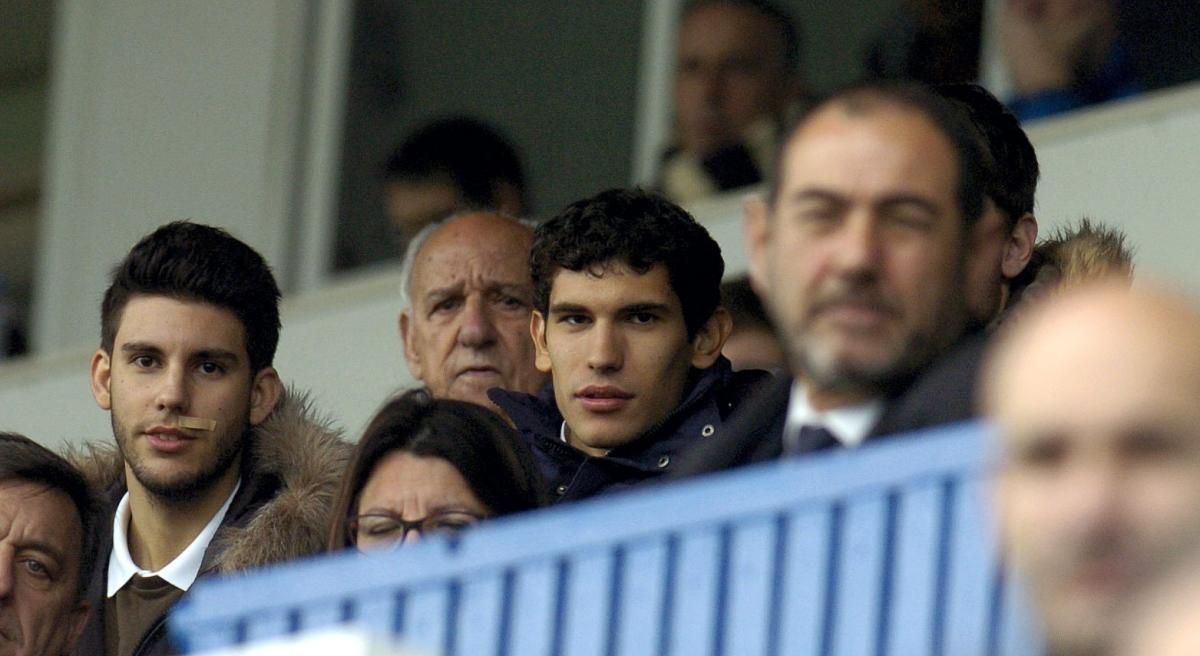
x=181 y=572
x=849 y=424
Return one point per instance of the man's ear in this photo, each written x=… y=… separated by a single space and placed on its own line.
x=537 y=329
x=411 y=354
x=75 y=624
x=101 y=379
x=264 y=394
x=1018 y=249
x=756 y=229
x=710 y=339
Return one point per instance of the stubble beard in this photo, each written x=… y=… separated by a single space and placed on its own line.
x=181 y=488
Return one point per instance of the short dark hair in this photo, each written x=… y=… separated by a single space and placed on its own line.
x=468 y=153
x=779 y=17
x=487 y=452
x=23 y=459
x=1013 y=167
x=638 y=229
x=948 y=118
x=194 y=262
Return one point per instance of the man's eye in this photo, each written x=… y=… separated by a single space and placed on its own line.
x=36 y=568
x=512 y=303
x=573 y=319
x=142 y=361
x=211 y=368
x=446 y=305
x=642 y=318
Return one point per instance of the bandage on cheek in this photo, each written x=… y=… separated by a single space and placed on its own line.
x=198 y=423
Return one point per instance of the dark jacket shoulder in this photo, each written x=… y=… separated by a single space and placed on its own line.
x=712 y=396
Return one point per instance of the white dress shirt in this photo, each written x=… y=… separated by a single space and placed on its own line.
x=850 y=424
x=181 y=572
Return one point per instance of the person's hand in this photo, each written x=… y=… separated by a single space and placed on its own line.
x=1048 y=44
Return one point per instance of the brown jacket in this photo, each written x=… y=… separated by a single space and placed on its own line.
x=281 y=512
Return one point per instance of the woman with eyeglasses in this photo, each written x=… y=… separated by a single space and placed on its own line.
x=431 y=466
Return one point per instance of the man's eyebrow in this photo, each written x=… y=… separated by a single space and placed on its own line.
x=139 y=347
x=216 y=354
x=568 y=308
x=443 y=292
x=646 y=306
x=815 y=194
x=44 y=547
x=910 y=199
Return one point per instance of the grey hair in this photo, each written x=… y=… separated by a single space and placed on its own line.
x=418 y=241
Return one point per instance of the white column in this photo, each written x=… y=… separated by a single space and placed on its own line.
x=176 y=109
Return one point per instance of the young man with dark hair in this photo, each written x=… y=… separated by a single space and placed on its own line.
x=628 y=323
x=214 y=469
x=48 y=534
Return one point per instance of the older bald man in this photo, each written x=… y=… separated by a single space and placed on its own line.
x=467 y=303
x=1095 y=396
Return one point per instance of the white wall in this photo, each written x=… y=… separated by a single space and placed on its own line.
x=171 y=109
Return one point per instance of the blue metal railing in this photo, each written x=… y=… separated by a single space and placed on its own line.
x=882 y=550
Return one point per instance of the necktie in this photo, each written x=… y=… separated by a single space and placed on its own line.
x=815 y=438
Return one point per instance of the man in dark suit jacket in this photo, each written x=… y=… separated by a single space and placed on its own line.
x=861 y=252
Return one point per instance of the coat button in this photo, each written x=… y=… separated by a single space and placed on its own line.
x=560 y=490
x=707 y=430
x=664 y=461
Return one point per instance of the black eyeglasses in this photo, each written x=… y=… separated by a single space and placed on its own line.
x=383 y=528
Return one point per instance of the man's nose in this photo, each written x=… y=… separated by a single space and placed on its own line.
x=858 y=248
x=172 y=389
x=605 y=351
x=477 y=329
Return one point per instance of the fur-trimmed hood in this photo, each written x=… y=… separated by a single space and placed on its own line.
x=283 y=509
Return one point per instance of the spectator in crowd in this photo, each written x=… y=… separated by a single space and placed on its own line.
x=48 y=534
x=861 y=249
x=1094 y=397
x=929 y=41
x=1007 y=229
x=214 y=469
x=627 y=321
x=466 y=299
x=1064 y=54
x=451 y=165
x=736 y=75
x=431 y=466
x=1075 y=255
x=753 y=343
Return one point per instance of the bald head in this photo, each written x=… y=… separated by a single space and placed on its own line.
x=1094 y=395
x=465 y=324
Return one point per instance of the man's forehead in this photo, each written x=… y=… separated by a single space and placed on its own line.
x=614 y=284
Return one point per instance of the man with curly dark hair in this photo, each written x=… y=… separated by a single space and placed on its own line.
x=627 y=320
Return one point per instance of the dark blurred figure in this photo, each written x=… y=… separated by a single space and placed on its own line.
x=1066 y=54
x=430 y=466
x=931 y=41
x=450 y=165
x=753 y=343
x=1008 y=227
x=736 y=75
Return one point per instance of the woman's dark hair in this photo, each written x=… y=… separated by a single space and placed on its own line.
x=487 y=452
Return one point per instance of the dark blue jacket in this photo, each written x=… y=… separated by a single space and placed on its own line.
x=572 y=474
